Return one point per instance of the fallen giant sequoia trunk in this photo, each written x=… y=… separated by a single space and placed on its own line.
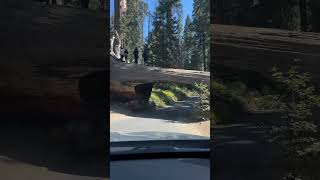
x=259 y=49
x=50 y=55
x=45 y=51
x=126 y=80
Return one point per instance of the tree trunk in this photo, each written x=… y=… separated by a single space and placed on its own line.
x=84 y=3
x=218 y=14
x=315 y=14
x=204 y=52
x=303 y=15
x=53 y=2
x=117 y=15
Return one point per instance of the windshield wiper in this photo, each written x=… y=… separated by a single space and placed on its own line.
x=161 y=155
x=176 y=143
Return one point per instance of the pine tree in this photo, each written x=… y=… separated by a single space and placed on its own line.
x=157 y=41
x=111 y=24
x=165 y=44
x=187 y=44
x=201 y=22
x=173 y=33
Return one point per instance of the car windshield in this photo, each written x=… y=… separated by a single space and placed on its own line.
x=158 y=91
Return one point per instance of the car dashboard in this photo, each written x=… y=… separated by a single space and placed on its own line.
x=187 y=160
x=160 y=169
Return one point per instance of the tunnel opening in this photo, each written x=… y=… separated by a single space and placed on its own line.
x=93 y=88
x=168 y=93
x=92 y=92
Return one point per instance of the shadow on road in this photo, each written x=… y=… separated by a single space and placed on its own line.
x=181 y=111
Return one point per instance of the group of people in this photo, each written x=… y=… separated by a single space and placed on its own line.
x=120 y=53
x=145 y=55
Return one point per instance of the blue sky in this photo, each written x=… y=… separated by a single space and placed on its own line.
x=187 y=10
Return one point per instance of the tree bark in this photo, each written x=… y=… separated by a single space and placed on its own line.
x=217 y=11
x=259 y=49
x=84 y=3
x=204 y=52
x=132 y=74
x=53 y=2
x=303 y=15
x=117 y=15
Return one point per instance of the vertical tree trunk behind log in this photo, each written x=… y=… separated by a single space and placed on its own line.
x=303 y=15
x=217 y=11
x=84 y=3
x=117 y=15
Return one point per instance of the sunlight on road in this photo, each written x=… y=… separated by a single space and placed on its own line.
x=114 y=116
x=121 y=123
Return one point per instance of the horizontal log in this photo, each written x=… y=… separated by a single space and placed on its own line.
x=46 y=49
x=133 y=74
x=259 y=49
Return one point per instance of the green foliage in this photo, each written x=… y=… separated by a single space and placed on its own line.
x=172 y=47
x=93 y=4
x=168 y=93
x=157 y=100
x=298 y=134
x=253 y=99
x=233 y=98
x=201 y=40
x=284 y=14
x=267 y=102
x=165 y=41
x=291 y=176
x=165 y=97
x=181 y=92
x=187 y=40
x=227 y=106
x=218 y=88
x=187 y=43
x=203 y=108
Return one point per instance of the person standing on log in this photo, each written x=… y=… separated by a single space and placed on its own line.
x=126 y=53
x=136 y=55
x=122 y=55
x=145 y=55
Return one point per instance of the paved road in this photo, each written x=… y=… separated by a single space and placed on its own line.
x=178 y=118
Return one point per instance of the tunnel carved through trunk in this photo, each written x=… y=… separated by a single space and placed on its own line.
x=143 y=92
